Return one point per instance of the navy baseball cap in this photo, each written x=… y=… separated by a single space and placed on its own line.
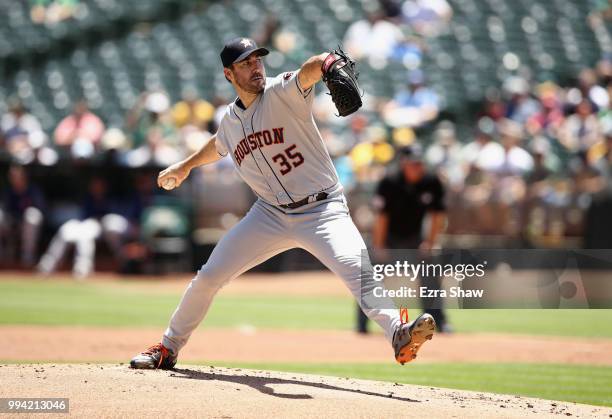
x=412 y=152
x=238 y=49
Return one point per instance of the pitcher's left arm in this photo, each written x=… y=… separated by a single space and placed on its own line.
x=310 y=72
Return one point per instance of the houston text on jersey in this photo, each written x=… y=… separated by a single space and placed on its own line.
x=256 y=140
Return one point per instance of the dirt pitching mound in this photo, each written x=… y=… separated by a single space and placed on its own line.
x=103 y=344
x=97 y=390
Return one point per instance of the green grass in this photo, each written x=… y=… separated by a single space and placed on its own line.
x=99 y=304
x=123 y=304
x=573 y=383
x=566 y=322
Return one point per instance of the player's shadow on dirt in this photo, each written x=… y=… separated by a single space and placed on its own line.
x=261 y=384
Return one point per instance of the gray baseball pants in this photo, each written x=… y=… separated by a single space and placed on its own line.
x=325 y=229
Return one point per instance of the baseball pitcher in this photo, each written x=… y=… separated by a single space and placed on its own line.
x=270 y=134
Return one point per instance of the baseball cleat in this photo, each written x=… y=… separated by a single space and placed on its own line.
x=155 y=357
x=409 y=337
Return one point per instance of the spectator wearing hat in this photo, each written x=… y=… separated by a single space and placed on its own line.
x=427 y=17
x=470 y=212
x=506 y=158
x=404 y=202
x=522 y=105
x=485 y=131
x=373 y=38
x=154 y=136
x=591 y=90
x=413 y=106
x=444 y=155
x=581 y=130
x=18 y=128
x=550 y=116
x=505 y=163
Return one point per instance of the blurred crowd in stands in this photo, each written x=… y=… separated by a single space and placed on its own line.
x=154 y=132
x=51 y=12
x=527 y=174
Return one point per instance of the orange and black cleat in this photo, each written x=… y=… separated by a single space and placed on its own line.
x=409 y=337
x=155 y=357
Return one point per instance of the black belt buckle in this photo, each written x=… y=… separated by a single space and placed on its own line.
x=318 y=197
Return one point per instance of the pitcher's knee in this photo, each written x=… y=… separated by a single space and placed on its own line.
x=209 y=277
x=353 y=264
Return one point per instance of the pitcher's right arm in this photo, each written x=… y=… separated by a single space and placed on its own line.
x=208 y=153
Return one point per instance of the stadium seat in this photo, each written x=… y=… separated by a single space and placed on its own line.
x=110 y=53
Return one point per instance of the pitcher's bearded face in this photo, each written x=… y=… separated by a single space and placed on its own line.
x=249 y=74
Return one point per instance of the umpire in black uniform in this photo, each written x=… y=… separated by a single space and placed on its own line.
x=403 y=200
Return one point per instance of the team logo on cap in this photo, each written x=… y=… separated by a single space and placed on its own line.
x=246 y=42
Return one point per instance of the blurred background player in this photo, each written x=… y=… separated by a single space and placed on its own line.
x=21 y=216
x=98 y=219
x=411 y=215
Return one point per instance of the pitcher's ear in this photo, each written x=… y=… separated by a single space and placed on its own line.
x=227 y=71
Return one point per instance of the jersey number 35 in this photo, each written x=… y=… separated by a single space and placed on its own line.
x=288 y=159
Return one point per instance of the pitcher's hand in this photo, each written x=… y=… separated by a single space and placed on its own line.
x=173 y=176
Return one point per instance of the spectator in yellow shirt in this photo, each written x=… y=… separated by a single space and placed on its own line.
x=193 y=111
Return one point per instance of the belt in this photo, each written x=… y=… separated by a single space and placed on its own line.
x=312 y=198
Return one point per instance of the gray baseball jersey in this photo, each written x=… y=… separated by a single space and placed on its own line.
x=279 y=153
x=275 y=143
